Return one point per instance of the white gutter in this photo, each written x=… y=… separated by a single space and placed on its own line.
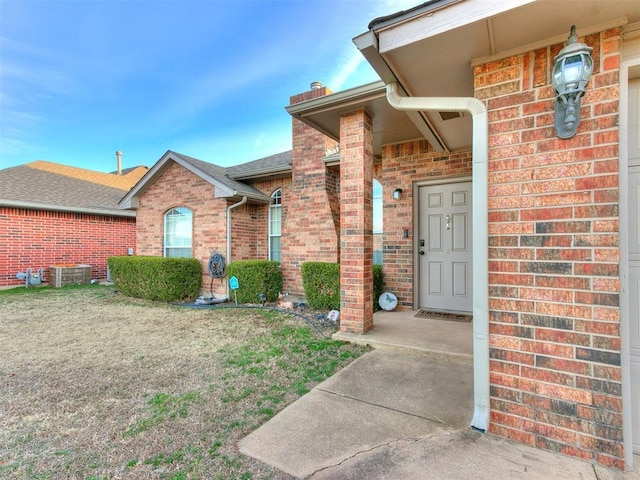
x=105 y=212
x=229 y=208
x=480 y=152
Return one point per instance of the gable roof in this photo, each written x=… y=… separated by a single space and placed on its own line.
x=26 y=186
x=225 y=185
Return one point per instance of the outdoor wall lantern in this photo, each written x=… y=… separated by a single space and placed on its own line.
x=397 y=194
x=571 y=71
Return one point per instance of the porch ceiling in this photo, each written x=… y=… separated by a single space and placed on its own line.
x=389 y=125
x=430 y=51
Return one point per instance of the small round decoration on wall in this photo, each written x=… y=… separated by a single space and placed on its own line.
x=388 y=301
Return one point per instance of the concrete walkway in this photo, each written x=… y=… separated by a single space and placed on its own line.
x=395 y=414
x=402 y=331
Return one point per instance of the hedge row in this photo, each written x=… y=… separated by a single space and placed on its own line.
x=174 y=279
x=156 y=278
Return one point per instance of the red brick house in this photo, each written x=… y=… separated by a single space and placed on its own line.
x=493 y=213
x=53 y=214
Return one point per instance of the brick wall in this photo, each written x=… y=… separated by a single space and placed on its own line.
x=37 y=239
x=261 y=222
x=553 y=257
x=310 y=230
x=178 y=187
x=402 y=165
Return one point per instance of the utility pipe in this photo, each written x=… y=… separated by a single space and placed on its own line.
x=480 y=152
x=229 y=208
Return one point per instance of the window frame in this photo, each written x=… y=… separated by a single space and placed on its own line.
x=275 y=203
x=170 y=214
x=377 y=209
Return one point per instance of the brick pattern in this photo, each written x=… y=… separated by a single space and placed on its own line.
x=553 y=257
x=178 y=187
x=402 y=166
x=37 y=239
x=356 y=239
x=310 y=229
x=261 y=221
x=310 y=210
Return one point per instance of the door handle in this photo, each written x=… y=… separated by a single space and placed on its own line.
x=421 y=252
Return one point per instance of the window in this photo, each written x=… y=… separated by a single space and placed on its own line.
x=377 y=222
x=177 y=232
x=275 y=226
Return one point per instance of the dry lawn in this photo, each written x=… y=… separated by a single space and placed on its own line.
x=95 y=385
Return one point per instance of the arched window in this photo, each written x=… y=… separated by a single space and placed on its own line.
x=178 y=227
x=275 y=226
x=377 y=222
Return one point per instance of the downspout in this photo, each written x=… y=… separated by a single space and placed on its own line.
x=480 y=152
x=229 y=208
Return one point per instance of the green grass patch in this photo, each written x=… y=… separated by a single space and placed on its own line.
x=162 y=407
x=148 y=390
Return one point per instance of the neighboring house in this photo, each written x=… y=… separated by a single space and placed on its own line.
x=182 y=205
x=52 y=214
x=494 y=214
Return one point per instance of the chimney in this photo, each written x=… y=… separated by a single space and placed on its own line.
x=119 y=160
x=317 y=89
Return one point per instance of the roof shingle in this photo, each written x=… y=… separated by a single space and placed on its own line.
x=29 y=187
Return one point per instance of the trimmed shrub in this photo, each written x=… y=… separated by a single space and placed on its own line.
x=321 y=283
x=378 y=286
x=255 y=277
x=156 y=278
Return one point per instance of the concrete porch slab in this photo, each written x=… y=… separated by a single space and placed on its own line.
x=378 y=399
x=402 y=412
x=402 y=331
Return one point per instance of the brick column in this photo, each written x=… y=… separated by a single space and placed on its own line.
x=356 y=238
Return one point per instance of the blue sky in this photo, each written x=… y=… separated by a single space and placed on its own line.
x=80 y=79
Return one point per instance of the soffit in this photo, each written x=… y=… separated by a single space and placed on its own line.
x=431 y=53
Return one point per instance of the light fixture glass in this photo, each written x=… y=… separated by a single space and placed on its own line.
x=571 y=71
x=397 y=194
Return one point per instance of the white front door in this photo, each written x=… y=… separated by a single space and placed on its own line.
x=634 y=257
x=444 y=247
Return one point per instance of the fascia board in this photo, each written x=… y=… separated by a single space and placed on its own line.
x=61 y=208
x=338 y=100
x=335 y=102
x=265 y=172
x=423 y=25
x=130 y=200
x=367 y=43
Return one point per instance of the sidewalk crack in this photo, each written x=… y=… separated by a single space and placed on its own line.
x=372 y=449
x=369 y=450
